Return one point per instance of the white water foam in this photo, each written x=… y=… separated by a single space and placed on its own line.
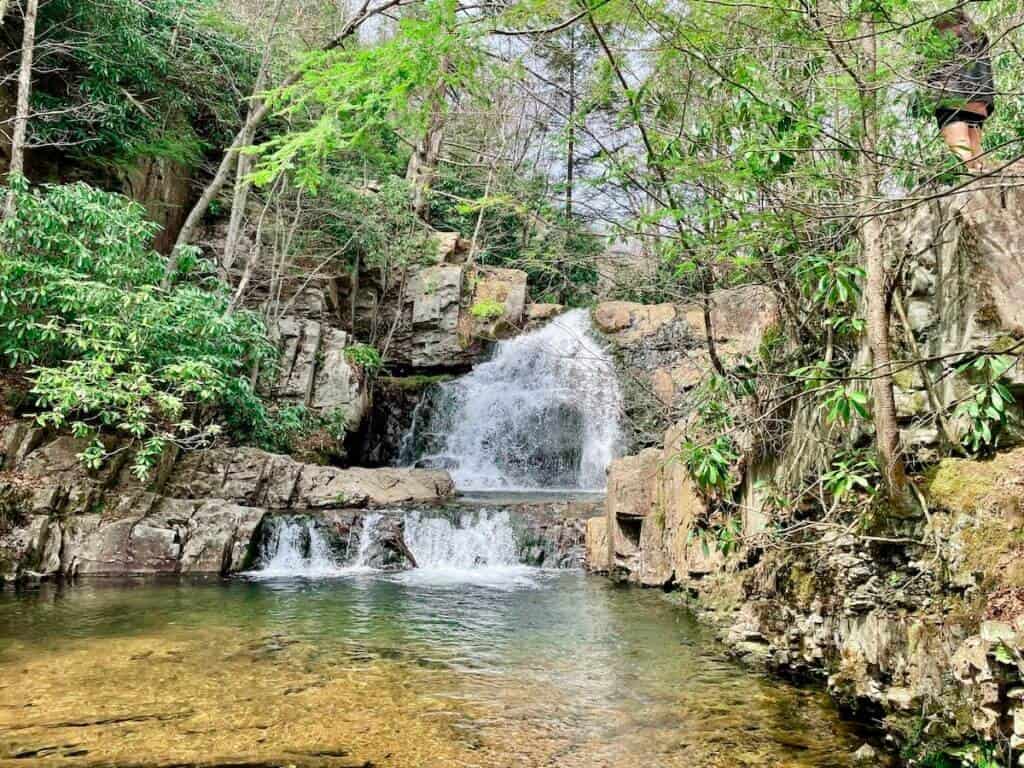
x=542 y=414
x=477 y=548
x=298 y=549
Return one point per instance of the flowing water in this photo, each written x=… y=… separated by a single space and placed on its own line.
x=559 y=670
x=543 y=413
x=471 y=659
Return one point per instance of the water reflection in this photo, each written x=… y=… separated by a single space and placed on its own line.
x=572 y=672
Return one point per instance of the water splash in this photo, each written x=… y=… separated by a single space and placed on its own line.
x=542 y=414
x=298 y=548
x=367 y=540
x=476 y=548
x=473 y=548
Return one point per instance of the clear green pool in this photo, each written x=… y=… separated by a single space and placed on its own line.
x=531 y=669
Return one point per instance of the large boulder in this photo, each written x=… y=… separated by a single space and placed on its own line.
x=652 y=512
x=148 y=534
x=427 y=310
x=662 y=350
x=254 y=477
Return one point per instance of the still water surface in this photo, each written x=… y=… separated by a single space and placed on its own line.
x=529 y=668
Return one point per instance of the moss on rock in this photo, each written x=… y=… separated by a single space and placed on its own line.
x=966 y=486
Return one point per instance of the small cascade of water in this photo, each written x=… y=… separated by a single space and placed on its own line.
x=366 y=541
x=296 y=547
x=474 y=548
x=475 y=540
x=542 y=414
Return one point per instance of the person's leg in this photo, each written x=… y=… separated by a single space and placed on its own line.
x=958 y=138
x=976 y=149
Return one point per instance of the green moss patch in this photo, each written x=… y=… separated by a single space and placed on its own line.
x=973 y=487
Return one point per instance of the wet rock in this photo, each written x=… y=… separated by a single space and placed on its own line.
x=200 y=519
x=598 y=558
x=866 y=756
x=536 y=315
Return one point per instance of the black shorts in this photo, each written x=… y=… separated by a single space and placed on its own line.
x=946 y=116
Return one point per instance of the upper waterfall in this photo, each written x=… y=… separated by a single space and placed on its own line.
x=543 y=413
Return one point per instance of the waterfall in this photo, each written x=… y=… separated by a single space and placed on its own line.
x=543 y=413
x=366 y=541
x=482 y=539
x=477 y=548
x=473 y=547
x=296 y=547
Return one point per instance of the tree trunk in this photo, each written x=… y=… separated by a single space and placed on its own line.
x=28 y=42
x=877 y=293
x=570 y=154
x=423 y=161
x=244 y=165
x=255 y=119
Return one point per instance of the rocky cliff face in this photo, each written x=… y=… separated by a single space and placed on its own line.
x=919 y=624
x=662 y=352
x=434 y=317
x=198 y=514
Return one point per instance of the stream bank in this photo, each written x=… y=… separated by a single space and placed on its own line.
x=913 y=618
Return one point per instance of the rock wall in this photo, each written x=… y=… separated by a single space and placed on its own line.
x=434 y=317
x=916 y=620
x=197 y=515
x=964 y=273
x=662 y=352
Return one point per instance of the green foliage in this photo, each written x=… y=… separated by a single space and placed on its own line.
x=127 y=79
x=364 y=227
x=365 y=356
x=487 y=309
x=279 y=429
x=725 y=537
x=351 y=98
x=710 y=465
x=851 y=472
x=107 y=348
x=559 y=260
x=984 y=410
x=844 y=402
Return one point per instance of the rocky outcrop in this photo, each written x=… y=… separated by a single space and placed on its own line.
x=963 y=276
x=650 y=511
x=661 y=349
x=915 y=618
x=164 y=188
x=315 y=372
x=197 y=514
x=395 y=400
x=553 y=534
x=252 y=476
x=436 y=316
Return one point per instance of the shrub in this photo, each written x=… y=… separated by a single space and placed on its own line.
x=106 y=347
x=487 y=309
x=364 y=355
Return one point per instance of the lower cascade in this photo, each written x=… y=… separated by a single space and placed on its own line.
x=463 y=546
x=298 y=546
x=483 y=539
x=543 y=413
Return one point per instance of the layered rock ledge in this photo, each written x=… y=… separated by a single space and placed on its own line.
x=197 y=514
